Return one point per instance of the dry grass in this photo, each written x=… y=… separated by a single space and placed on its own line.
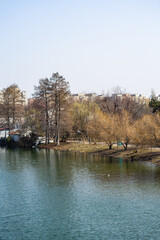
x=77 y=147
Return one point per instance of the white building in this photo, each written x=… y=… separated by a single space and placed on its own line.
x=4 y=132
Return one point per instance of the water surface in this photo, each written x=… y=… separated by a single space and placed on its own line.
x=46 y=194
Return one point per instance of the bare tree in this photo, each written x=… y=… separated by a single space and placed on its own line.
x=12 y=105
x=115 y=104
x=43 y=93
x=60 y=93
x=103 y=127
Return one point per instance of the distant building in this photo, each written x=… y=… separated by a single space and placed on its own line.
x=4 y=132
x=84 y=96
x=1 y=96
x=156 y=97
x=31 y=101
x=24 y=97
x=139 y=98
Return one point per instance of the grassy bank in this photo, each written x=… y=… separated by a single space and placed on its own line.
x=141 y=154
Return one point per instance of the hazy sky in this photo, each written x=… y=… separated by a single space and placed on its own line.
x=95 y=44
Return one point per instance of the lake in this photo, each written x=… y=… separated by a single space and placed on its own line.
x=46 y=194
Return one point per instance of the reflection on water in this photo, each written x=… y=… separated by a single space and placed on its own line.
x=48 y=194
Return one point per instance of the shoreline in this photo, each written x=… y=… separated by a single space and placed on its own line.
x=142 y=154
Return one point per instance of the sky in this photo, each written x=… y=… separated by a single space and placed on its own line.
x=95 y=44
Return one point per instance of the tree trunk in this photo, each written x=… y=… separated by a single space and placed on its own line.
x=47 y=130
x=56 y=121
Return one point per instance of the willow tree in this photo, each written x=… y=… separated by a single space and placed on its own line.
x=59 y=94
x=103 y=127
x=82 y=114
x=148 y=131
x=125 y=129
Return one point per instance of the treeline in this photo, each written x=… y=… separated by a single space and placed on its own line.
x=54 y=114
x=117 y=120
